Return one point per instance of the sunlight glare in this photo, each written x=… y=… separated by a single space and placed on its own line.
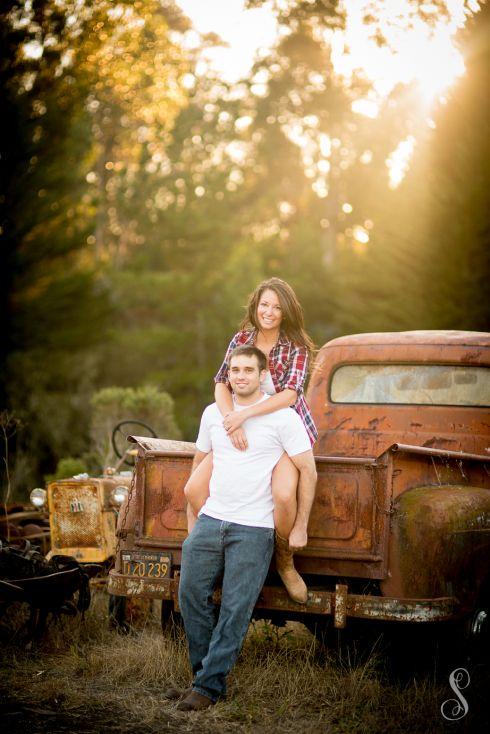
x=399 y=161
x=366 y=107
x=413 y=52
x=243 y=33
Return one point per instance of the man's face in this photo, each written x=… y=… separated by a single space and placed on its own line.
x=244 y=375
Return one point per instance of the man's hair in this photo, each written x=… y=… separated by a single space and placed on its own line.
x=248 y=350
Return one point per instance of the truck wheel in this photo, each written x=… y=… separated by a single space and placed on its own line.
x=117 y=614
x=171 y=620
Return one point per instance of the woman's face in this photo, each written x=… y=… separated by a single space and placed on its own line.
x=269 y=311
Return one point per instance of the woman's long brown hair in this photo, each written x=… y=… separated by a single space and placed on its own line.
x=292 y=323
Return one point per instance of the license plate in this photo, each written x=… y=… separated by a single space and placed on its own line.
x=149 y=564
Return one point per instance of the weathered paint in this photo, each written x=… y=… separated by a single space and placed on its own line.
x=340 y=606
x=120 y=585
x=368 y=430
x=88 y=533
x=339 y=603
x=348 y=523
x=440 y=542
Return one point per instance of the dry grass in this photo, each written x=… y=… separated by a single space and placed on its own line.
x=85 y=678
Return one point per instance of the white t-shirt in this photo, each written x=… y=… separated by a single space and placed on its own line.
x=267 y=384
x=240 y=486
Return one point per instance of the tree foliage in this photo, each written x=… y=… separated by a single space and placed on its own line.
x=69 y=73
x=143 y=199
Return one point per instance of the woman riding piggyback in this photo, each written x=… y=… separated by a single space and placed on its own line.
x=274 y=324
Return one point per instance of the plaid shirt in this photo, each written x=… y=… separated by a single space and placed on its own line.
x=288 y=366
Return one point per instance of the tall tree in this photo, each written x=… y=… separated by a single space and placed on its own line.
x=73 y=75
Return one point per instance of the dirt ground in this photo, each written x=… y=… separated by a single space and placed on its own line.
x=84 y=678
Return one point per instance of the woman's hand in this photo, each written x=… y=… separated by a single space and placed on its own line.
x=232 y=423
x=239 y=439
x=233 y=420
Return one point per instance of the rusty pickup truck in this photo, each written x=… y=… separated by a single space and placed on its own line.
x=400 y=527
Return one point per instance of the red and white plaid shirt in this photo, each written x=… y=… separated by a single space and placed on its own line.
x=288 y=366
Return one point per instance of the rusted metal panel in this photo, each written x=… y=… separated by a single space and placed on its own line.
x=76 y=514
x=440 y=542
x=82 y=519
x=434 y=338
x=414 y=469
x=348 y=518
x=320 y=602
x=347 y=521
x=166 y=446
x=120 y=585
x=340 y=606
x=401 y=610
x=440 y=453
x=369 y=429
x=164 y=514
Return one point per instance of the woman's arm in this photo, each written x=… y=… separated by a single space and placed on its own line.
x=284 y=399
x=223 y=398
x=292 y=384
x=224 y=402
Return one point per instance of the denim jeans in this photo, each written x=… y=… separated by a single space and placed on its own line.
x=239 y=555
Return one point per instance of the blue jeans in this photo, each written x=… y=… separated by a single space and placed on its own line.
x=239 y=555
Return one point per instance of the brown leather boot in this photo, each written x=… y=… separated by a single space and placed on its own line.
x=176 y=694
x=194 y=702
x=295 y=586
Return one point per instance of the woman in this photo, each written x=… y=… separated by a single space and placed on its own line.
x=274 y=324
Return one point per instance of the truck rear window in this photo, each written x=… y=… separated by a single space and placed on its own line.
x=411 y=384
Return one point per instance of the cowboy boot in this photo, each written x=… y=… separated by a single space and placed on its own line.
x=295 y=586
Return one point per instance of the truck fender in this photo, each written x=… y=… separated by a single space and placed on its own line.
x=439 y=543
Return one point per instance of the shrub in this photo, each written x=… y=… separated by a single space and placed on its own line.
x=111 y=405
x=66 y=468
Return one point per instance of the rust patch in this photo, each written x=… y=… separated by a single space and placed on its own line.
x=76 y=515
x=340 y=609
x=436 y=442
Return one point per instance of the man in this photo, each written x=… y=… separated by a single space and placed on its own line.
x=233 y=538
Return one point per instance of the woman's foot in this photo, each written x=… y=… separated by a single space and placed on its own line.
x=295 y=586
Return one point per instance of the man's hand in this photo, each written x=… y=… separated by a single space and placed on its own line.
x=298 y=538
x=239 y=439
x=233 y=420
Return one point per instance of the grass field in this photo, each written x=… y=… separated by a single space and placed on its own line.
x=84 y=677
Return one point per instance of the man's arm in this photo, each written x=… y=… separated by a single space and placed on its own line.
x=305 y=463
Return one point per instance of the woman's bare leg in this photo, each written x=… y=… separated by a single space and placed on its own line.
x=284 y=487
x=284 y=490
x=196 y=490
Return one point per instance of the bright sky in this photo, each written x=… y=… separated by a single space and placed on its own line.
x=415 y=51
x=246 y=31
